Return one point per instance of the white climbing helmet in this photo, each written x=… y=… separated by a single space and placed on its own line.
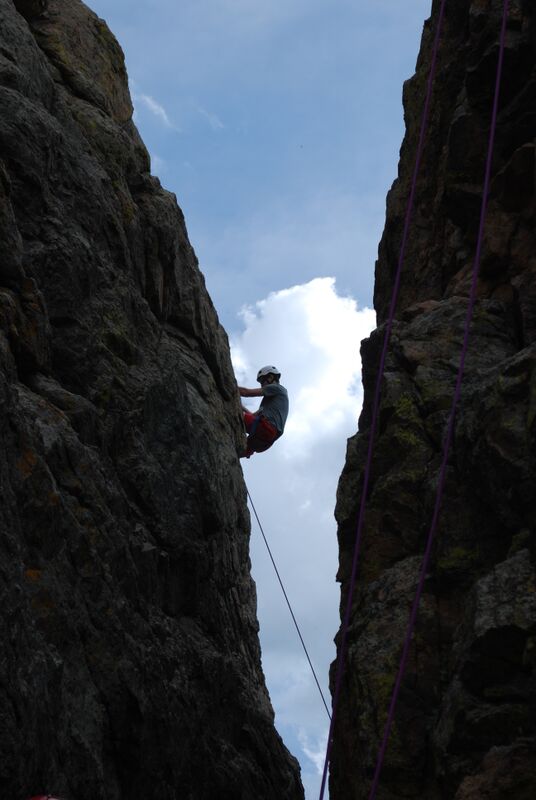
x=265 y=371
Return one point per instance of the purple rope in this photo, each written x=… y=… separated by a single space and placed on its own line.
x=450 y=428
x=377 y=394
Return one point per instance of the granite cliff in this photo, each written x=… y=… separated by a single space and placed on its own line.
x=130 y=661
x=465 y=726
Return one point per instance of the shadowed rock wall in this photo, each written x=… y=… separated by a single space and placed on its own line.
x=130 y=663
x=465 y=725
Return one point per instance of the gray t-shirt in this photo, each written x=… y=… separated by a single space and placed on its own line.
x=274 y=405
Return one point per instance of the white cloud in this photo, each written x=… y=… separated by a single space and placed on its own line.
x=213 y=120
x=158 y=165
x=155 y=108
x=314 y=750
x=313 y=335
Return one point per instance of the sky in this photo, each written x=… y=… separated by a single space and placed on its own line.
x=278 y=124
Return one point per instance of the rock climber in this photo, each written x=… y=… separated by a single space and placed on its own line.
x=266 y=424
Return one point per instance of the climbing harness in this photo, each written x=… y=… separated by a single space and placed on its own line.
x=288 y=603
x=261 y=433
x=450 y=426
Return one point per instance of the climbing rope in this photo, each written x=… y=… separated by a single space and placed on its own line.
x=450 y=427
x=288 y=603
x=377 y=394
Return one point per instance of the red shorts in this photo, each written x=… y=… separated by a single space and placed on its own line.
x=262 y=434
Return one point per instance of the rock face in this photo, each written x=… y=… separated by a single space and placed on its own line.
x=130 y=662
x=465 y=725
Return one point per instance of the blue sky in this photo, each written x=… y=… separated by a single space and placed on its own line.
x=278 y=125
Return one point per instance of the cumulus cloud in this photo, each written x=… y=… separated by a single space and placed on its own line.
x=315 y=750
x=312 y=334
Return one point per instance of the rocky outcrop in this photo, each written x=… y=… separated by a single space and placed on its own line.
x=465 y=725
x=130 y=663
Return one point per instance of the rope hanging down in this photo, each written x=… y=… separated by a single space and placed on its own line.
x=288 y=602
x=377 y=394
x=450 y=427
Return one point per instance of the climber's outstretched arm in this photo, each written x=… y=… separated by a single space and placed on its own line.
x=250 y=392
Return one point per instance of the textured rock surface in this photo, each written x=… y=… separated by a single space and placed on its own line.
x=465 y=725
x=130 y=663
